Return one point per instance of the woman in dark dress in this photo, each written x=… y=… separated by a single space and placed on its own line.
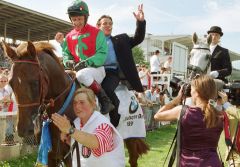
x=201 y=125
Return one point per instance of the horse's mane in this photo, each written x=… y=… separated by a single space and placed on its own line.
x=40 y=46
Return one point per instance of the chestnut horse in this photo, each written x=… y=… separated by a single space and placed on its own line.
x=37 y=78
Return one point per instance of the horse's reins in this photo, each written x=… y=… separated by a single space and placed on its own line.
x=202 y=48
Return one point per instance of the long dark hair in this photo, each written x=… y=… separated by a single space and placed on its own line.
x=207 y=90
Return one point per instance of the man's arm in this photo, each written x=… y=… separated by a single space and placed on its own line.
x=100 y=56
x=65 y=52
x=139 y=33
x=140 y=27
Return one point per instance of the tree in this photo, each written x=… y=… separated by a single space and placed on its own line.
x=138 y=55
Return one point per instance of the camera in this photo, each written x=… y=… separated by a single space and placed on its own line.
x=233 y=91
x=176 y=83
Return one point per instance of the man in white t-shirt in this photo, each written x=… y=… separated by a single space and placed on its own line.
x=155 y=63
x=143 y=75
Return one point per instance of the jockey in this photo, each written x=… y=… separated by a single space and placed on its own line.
x=85 y=49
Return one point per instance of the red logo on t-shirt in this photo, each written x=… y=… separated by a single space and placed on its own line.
x=86 y=152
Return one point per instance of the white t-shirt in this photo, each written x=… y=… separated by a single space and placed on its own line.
x=114 y=158
x=154 y=63
x=143 y=77
x=167 y=64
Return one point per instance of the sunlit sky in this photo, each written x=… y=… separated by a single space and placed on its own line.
x=164 y=17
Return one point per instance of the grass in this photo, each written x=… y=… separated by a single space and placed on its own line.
x=159 y=141
x=24 y=161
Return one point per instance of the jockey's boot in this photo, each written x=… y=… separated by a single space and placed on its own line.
x=105 y=102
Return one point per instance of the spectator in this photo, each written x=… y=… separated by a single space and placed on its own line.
x=167 y=66
x=99 y=142
x=6 y=105
x=144 y=75
x=155 y=63
x=201 y=125
x=151 y=94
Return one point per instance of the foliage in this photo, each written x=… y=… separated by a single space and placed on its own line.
x=138 y=55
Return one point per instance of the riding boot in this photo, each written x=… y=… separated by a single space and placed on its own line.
x=114 y=117
x=105 y=102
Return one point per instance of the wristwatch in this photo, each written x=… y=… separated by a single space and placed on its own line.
x=71 y=130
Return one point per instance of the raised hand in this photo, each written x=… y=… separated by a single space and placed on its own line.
x=139 y=15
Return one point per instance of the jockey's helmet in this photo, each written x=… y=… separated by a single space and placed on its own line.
x=78 y=8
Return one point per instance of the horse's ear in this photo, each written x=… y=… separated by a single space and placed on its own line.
x=11 y=53
x=31 y=49
x=194 y=38
x=209 y=39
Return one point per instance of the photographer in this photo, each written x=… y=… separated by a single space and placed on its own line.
x=233 y=114
x=201 y=125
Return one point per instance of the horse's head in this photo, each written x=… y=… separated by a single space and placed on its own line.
x=200 y=54
x=26 y=80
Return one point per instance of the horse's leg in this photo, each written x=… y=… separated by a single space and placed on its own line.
x=132 y=151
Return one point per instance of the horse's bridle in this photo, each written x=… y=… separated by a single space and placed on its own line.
x=43 y=88
x=200 y=48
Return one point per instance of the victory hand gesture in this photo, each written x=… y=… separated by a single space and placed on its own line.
x=139 y=15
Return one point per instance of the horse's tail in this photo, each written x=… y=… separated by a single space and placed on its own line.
x=136 y=148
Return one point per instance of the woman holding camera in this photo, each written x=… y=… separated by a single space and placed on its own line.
x=201 y=125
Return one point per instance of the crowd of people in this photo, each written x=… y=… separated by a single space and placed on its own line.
x=101 y=61
x=7 y=105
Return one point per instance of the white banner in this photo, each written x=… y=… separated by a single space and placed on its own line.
x=132 y=123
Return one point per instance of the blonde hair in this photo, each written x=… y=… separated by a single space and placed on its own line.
x=207 y=90
x=88 y=92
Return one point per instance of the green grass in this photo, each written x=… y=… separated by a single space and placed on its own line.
x=159 y=141
x=24 y=161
